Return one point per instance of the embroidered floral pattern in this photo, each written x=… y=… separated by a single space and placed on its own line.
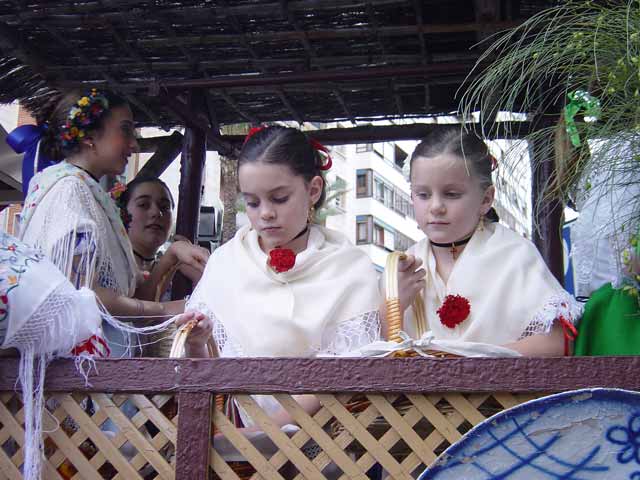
x=454 y=310
x=15 y=260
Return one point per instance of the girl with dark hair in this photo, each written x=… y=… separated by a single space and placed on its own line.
x=472 y=271
x=285 y=286
x=146 y=207
x=70 y=218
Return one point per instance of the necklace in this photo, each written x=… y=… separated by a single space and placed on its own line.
x=144 y=259
x=306 y=229
x=454 y=245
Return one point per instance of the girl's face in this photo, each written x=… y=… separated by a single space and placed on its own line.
x=109 y=148
x=277 y=201
x=150 y=210
x=447 y=201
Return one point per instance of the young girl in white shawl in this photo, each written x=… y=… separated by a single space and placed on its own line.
x=284 y=286
x=70 y=218
x=481 y=281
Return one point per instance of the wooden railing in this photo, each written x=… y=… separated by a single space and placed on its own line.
x=153 y=418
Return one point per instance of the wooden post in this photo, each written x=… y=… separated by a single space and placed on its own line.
x=547 y=212
x=194 y=433
x=191 y=171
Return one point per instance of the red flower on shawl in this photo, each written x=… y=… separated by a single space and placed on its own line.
x=281 y=259
x=454 y=310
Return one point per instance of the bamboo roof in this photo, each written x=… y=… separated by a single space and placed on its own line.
x=256 y=60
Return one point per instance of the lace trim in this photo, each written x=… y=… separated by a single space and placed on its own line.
x=352 y=334
x=560 y=305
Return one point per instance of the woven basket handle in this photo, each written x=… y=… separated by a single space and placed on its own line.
x=392 y=301
x=180 y=339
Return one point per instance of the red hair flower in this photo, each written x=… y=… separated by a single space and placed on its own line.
x=454 y=310
x=281 y=259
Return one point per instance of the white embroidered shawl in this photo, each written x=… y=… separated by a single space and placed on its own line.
x=67 y=214
x=512 y=292
x=43 y=316
x=326 y=303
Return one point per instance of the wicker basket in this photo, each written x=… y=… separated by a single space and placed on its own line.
x=394 y=315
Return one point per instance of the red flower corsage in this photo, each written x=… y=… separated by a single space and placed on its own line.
x=281 y=259
x=454 y=310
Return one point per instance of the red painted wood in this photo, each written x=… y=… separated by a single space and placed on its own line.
x=298 y=375
x=194 y=433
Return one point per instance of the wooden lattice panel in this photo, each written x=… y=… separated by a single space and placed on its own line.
x=96 y=436
x=350 y=434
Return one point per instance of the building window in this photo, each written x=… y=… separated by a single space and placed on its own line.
x=378 y=235
x=363 y=183
x=364 y=147
x=364 y=224
x=399 y=156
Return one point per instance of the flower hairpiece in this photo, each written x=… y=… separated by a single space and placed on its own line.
x=82 y=116
x=117 y=190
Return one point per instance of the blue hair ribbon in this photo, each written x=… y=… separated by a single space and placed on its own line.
x=26 y=139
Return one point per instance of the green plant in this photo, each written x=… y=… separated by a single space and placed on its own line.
x=585 y=56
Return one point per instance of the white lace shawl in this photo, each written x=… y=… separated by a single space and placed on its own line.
x=71 y=220
x=511 y=291
x=326 y=305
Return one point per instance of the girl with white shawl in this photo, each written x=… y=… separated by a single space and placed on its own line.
x=284 y=286
x=481 y=282
x=71 y=219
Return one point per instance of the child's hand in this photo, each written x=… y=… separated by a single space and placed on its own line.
x=201 y=330
x=188 y=254
x=411 y=280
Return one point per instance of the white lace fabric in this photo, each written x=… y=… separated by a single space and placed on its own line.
x=560 y=306
x=348 y=336
x=80 y=228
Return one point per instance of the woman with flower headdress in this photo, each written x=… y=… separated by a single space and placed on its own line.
x=285 y=286
x=73 y=220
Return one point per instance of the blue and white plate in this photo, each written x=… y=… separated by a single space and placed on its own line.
x=580 y=435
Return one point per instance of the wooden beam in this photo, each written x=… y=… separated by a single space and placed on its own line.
x=232 y=103
x=231 y=19
x=166 y=151
x=198 y=120
x=547 y=212
x=388 y=133
x=313 y=55
x=191 y=173
x=330 y=375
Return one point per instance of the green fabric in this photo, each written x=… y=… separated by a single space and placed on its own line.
x=610 y=324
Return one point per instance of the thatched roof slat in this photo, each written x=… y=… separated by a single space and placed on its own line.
x=261 y=60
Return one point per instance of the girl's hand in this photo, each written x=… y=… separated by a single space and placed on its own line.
x=411 y=280
x=201 y=330
x=190 y=255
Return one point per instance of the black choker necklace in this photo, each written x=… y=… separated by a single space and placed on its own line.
x=306 y=229
x=452 y=245
x=144 y=259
